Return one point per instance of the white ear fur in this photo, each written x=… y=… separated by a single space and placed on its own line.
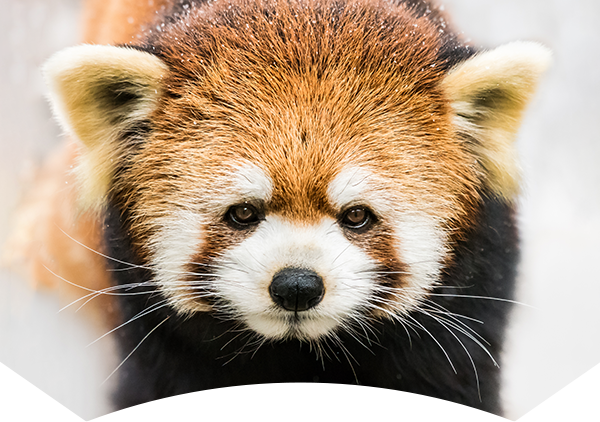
x=97 y=93
x=489 y=93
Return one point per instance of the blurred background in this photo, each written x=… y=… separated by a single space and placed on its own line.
x=549 y=345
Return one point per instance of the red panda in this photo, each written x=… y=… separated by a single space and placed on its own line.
x=298 y=191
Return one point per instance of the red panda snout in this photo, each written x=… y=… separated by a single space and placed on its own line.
x=294 y=280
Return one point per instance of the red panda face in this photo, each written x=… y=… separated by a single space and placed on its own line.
x=294 y=276
x=305 y=210
x=313 y=207
x=304 y=169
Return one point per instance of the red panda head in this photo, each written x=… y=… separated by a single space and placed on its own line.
x=300 y=167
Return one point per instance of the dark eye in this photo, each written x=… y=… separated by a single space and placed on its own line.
x=357 y=218
x=243 y=215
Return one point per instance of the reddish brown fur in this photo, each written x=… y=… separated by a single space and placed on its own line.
x=301 y=99
x=374 y=86
x=377 y=105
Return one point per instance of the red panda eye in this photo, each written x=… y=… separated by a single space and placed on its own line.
x=356 y=218
x=243 y=215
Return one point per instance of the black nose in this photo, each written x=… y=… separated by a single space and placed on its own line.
x=296 y=289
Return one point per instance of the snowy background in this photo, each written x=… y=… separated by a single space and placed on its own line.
x=549 y=345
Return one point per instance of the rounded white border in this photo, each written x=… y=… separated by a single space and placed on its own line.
x=21 y=401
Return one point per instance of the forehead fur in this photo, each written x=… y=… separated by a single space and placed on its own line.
x=304 y=90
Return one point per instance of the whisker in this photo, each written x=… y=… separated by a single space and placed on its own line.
x=462 y=331
x=454 y=317
x=232 y=339
x=366 y=328
x=434 y=339
x=100 y=253
x=129 y=264
x=149 y=310
x=466 y=351
x=232 y=265
x=398 y=290
x=347 y=355
x=96 y=293
x=352 y=333
x=385 y=272
x=499 y=299
x=340 y=254
x=263 y=341
x=110 y=291
x=135 y=348
x=250 y=336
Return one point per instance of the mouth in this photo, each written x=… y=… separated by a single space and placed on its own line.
x=282 y=324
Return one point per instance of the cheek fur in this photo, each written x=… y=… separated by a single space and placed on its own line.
x=391 y=275
x=409 y=256
x=413 y=253
x=173 y=248
x=407 y=241
x=422 y=247
x=187 y=251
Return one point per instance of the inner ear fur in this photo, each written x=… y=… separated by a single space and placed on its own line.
x=489 y=93
x=99 y=94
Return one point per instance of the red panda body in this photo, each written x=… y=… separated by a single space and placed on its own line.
x=302 y=191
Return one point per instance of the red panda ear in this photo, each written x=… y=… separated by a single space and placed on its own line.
x=98 y=93
x=489 y=93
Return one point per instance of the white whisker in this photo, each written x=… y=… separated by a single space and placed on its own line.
x=145 y=312
x=135 y=348
x=499 y=299
x=434 y=339
x=466 y=351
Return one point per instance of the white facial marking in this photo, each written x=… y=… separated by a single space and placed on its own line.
x=348 y=186
x=356 y=185
x=252 y=183
x=248 y=270
x=421 y=246
x=174 y=246
x=245 y=182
